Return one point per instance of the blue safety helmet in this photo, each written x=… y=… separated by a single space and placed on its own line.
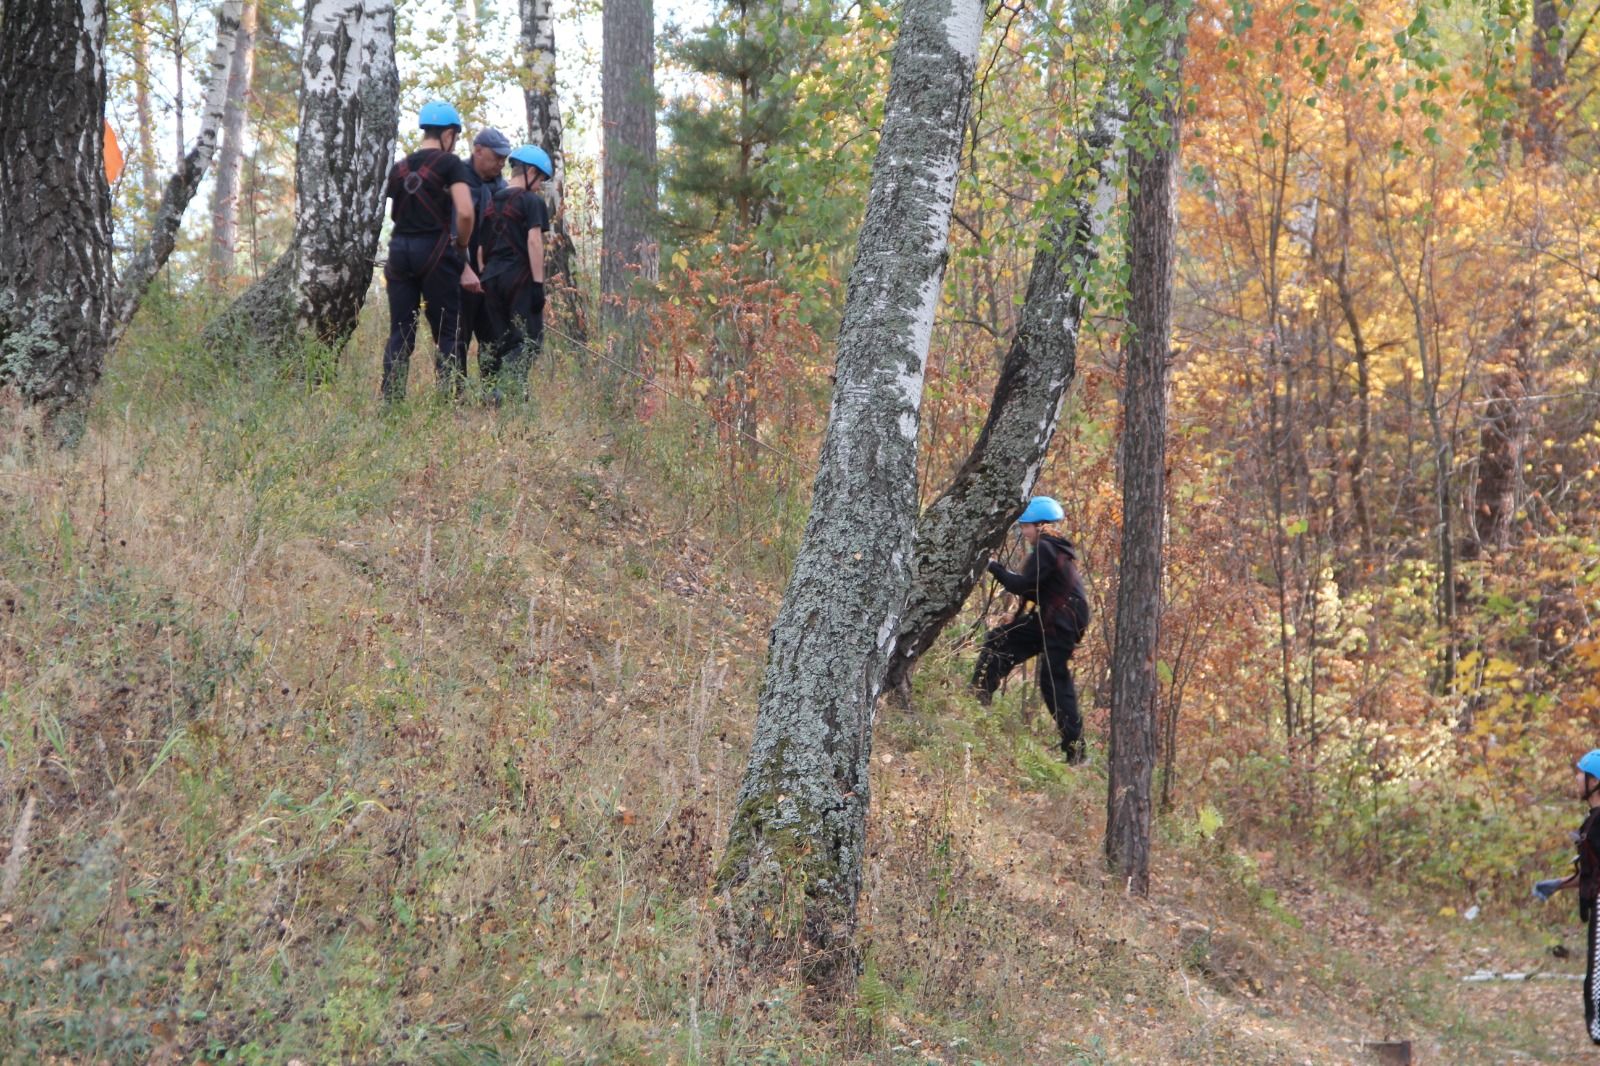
x=1041 y=509
x=531 y=155
x=438 y=113
x=1590 y=764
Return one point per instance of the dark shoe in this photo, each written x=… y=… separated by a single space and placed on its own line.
x=1076 y=751
x=983 y=696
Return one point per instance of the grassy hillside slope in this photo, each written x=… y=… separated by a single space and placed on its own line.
x=344 y=736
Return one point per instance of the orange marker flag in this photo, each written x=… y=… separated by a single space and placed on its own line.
x=114 y=161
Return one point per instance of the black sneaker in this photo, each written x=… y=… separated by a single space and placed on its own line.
x=1076 y=751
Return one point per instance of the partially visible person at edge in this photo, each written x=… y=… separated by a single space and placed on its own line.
x=1050 y=629
x=1586 y=879
x=513 y=277
x=427 y=265
x=488 y=163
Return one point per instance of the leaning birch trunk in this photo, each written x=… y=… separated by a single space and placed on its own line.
x=230 y=157
x=349 y=90
x=55 y=208
x=181 y=186
x=960 y=529
x=544 y=120
x=793 y=866
x=1152 y=222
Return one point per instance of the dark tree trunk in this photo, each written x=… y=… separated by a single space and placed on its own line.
x=230 y=161
x=349 y=92
x=793 y=867
x=959 y=530
x=55 y=208
x=1152 y=220
x=1502 y=438
x=1547 y=78
x=185 y=180
x=628 y=101
x=544 y=120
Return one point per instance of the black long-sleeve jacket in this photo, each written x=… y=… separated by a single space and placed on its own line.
x=1047 y=580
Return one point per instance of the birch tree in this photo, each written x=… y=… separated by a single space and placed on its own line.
x=1156 y=52
x=186 y=179
x=349 y=91
x=230 y=161
x=544 y=122
x=960 y=529
x=793 y=867
x=55 y=207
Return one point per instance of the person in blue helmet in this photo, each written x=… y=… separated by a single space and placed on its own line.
x=513 y=275
x=1051 y=628
x=427 y=266
x=1586 y=879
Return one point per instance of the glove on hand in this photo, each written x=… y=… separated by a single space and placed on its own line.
x=995 y=568
x=1543 y=890
x=538 y=296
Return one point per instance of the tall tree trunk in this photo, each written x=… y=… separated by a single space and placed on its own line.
x=178 y=63
x=139 y=15
x=55 y=208
x=1359 y=461
x=959 y=530
x=1152 y=220
x=544 y=122
x=230 y=164
x=466 y=32
x=185 y=180
x=628 y=104
x=349 y=99
x=793 y=866
x=1503 y=435
x=1547 y=78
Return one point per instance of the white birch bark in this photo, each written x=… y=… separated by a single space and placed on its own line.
x=186 y=179
x=230 y=160
x=793 y=865
x=543 y=103
x=545 y=127
x=349 y=99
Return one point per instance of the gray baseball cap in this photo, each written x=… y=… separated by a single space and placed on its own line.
x=493 y=140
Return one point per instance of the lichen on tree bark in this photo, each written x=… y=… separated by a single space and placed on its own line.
x=793 y=868
x=958 y=531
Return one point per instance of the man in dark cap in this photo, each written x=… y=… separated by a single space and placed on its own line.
x=489 y=150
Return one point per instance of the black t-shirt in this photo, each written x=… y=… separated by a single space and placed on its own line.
x=482 y=193
x=420 y=185
x=514 y=214
x=1588 y=840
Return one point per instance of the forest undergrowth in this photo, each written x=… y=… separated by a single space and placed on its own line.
x=340 y=735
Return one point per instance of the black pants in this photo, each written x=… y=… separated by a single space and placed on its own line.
x=516 y=333
x=474 y=324
x=1020 y=640
x=419 y=275
x=1591 y=1007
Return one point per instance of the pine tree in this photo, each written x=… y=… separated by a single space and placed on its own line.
x=715 y=172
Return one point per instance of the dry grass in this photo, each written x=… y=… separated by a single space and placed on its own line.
x=362 y=738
